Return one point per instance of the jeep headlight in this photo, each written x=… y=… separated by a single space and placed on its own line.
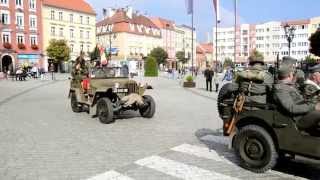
x=116 y=85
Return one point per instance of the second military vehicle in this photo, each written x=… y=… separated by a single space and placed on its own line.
x=262 y=134
x=108 y=91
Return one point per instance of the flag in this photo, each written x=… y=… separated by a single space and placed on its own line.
x=189 y=4
x=216 y=4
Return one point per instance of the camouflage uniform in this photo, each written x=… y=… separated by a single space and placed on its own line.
x=255 y=82
x=82 y=72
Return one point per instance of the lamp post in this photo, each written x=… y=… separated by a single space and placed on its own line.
x=110 y=43
x=289 y=33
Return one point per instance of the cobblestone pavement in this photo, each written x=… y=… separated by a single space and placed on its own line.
x=41 y=138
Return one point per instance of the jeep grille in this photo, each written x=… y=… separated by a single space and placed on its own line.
x=132 y=87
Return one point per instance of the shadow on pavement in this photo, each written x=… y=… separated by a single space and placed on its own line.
x=301 y=167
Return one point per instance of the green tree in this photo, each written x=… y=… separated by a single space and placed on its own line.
x=315 y=43
x=256 y=55
x=58 y=50
x=159 y=54
x=310 y=60
x=228 y=62
x=151 y=67
x=95 y=54
x=180 y=55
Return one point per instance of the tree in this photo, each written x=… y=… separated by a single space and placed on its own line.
x=256 y=55
x=151 y=67
x=310 y=60
x=228 y=62
x=95 y=54
x=180 y=55
x=58 y=50
x=159 y=54
x=315 y=43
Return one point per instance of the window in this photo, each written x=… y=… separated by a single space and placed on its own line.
x=32 y=4
x=19 y=20
x=53 y=31
x=20 y=39
x=88 y=34
x=33 y=40
x=18 y=2
x=6 y=37
x=81 y=34
x=60 y=16
x=52 y=15
x=71 y=18
x=33 y=22
x=61 y=32
x=88 y=20
x=244 y=32
x=81 y=19
x=5 y=2
x=71 y=47
x=71 y=33
x=5 y=18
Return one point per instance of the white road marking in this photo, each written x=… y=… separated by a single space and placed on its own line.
x=110 y=175
x=201 y=152
x=180 y=170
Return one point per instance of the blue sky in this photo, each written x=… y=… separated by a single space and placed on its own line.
x=250 y=11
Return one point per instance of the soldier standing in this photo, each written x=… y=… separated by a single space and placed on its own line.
x=208 y=74
x=312 y=85
x=80 y=70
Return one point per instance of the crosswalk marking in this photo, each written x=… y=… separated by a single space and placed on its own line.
x=200 y=152
x=110 y=175
x=181 y=170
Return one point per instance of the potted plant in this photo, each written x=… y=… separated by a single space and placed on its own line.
x=21 y=46
x=34 y=47
x=189 y=83
x=7 y=45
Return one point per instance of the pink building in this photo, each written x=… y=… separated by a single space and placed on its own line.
x=21 y=34
x=168 y=36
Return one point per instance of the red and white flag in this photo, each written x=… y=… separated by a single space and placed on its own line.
x=216 y=4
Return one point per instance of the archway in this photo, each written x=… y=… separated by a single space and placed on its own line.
x=6 y=63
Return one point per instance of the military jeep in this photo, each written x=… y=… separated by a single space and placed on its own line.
x=263 y=134
x=107 y=91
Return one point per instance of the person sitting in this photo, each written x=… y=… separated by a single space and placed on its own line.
x=305 y=114
x=311 y=89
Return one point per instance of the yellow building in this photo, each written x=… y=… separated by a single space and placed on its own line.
x=131 y=36
x=314 y=25
x=72 y=20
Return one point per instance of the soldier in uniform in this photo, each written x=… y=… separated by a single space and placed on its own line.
x=312 y=85
x=80 y=69
x=255 y=82
x=306 y=115
x=299 y=76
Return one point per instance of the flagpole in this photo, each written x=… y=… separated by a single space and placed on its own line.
x=235 y=31
x=216 y=42
x=192 y=68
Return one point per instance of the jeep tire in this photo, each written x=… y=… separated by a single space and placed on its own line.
x=226 y=93
x=105 y=111
x=255 y=149
x=149 y=110
x=75 y=106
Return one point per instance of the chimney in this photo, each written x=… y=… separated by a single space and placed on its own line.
x=104 y=13
x=129 y=12
x=109 y=12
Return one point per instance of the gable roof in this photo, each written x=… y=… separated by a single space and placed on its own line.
x=73 y=5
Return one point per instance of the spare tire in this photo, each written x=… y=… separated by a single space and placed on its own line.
x=225 y=101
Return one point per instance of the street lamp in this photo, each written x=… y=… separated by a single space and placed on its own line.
x=289 y=33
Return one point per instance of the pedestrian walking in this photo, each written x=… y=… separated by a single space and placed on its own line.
x=208 y=74
x=216 y=80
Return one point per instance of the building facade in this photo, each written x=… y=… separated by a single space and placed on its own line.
x=268 y=38
x=73 y=21
x=128 y=35
x=21 y=34
x=205 y=56
x=183 y=42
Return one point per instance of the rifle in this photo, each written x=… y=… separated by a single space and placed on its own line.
x=237 y=106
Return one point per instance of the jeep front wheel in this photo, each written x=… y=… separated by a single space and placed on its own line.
x=75 y=106
x=149 y=109
x=105 y=110
x=255 y=149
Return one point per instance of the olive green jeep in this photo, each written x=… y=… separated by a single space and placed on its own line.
x=108 y=91
x=263 y=135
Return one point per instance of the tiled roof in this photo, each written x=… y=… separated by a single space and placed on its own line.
x=74 y=5
x=163 y=23
x=205 y=47
x=122 y=23
x=296 y=22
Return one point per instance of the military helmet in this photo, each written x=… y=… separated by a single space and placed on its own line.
x=288 y=60
x=284 y=71
x=315 y=68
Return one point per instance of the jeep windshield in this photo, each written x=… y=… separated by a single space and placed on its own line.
x=109 y=72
